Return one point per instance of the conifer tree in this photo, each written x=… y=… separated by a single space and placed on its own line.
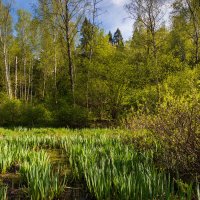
x=118 y=39
x=86 y=37
x=110 y=37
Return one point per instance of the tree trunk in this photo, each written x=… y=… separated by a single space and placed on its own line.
x=31 y=82
x=55 y=70
x=25 y=88
x=69 y=53
x=44 y=86
x=196 y=46
x=194 y=12
x=20 y=84
x=7 y=73
x=16 y=77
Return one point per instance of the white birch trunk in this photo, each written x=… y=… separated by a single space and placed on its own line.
x=16 y=76
x=7 y=73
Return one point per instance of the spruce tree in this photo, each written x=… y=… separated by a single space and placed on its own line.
x=86 y=36
x=110 y=37
x=118 y=39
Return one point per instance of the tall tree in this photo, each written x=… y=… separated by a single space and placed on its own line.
x=23 y=37
x=118 y=39
x=69 y=14
x=110 y=37
x=194 y=11
x=148 y=12
x=89 y=33
x=5 y=36
x=86 y=37
x=179 y=32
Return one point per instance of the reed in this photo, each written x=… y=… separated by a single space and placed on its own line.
x=3 y=193
x=110 y=168
x=42 y=182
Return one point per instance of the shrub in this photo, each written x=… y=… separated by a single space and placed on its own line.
x=183 y=81
x=176 y=126
x=147 y=98
x=69 y=116
x=10 y=113
x=36 y=116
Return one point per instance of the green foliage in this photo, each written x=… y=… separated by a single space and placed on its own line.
x=14 y=113
x=38 y=173
x=146 y=99
x=3 y=192
x=87 y=35
x=108 y=162
x=10 y=113
x=183 y=82
x=69 y=116
x=110 y=37
x=35 y=116
x=111 y=76
x=177 y=123
x=176 y=126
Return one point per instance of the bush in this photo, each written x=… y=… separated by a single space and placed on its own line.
x=176 y=126
x=36 y=116
x=69 y=116
x=10 y=113
x=183 y=81
x=15 y=113
x=147 y=98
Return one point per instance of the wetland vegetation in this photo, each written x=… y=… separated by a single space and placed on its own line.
x=86 y=164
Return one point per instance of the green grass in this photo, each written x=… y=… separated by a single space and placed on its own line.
x=106 y=161
x=3 y=192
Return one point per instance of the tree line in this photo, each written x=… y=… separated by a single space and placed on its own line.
x=59 y=68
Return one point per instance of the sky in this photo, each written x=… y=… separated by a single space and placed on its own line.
x=112 y=16
x=115 y=17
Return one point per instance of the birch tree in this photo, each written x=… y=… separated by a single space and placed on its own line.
x=150 y=14
x=90 y=41
x=193 y=8
x=189 y=11
x=5 y=36
x=69 y=14
x=23 y=37
x=16 y=76
x=49 y=54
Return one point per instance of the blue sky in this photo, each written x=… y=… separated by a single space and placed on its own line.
x=113 y=17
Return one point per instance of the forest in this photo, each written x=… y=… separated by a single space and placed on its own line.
x=87 y=114
x=59 y=68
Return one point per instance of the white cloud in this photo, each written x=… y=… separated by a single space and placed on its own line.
x=118 y=2
x=127 y=29
x=117 y=17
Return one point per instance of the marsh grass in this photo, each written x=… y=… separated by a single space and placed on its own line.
x=110 y=165
x=3 y=192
